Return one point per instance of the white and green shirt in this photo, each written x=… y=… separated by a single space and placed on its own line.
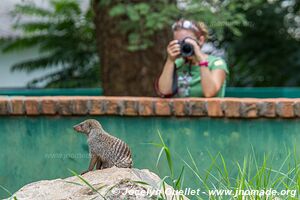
x=189 y=77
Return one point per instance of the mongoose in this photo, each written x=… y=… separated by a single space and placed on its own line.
x=106 y=150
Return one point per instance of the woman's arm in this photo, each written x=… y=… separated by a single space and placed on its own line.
x=211 y=81
x=165 y=80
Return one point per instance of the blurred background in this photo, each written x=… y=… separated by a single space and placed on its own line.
x=120 y=46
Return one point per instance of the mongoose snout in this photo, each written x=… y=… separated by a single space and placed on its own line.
x=77 y=128
x=106 y=150
x=87 y=125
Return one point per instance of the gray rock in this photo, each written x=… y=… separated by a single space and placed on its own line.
x=111 y=184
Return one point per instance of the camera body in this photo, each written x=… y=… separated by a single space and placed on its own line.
x=186 y=49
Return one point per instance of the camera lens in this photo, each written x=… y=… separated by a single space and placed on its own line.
x=186 y=49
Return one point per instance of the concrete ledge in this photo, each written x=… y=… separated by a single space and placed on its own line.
x=146 y=106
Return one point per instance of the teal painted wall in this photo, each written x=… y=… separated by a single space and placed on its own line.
x=28 y=144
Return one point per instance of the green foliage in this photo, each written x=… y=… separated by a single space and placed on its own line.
x=141 y=20
x=261 y=37
x=176 y=182
x=252 y=174
x=267 y=53
x=65 y=37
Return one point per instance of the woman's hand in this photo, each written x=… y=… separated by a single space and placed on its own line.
x=199 y=56
x=173 y=50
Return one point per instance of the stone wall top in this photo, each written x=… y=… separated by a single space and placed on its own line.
x=147 y=106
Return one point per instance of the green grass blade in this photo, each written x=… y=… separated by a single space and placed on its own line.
x=167 y=153
x=193 y=160
x=161 y=139
x=153 y=144
x=159 y=156
x=169 y=159
x=74 y=183
x=178 y=181
x=225 y=171
x=6 y=190
x=86 y=182
x=141 y=182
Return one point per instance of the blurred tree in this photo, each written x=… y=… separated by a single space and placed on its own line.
x=65 y=37
x=132 y=37
x=267 y=53
x=129 y=60
x=260 y=36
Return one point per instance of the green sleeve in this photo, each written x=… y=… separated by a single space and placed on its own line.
x=219 y=63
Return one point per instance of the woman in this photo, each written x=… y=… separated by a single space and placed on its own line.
x=198 y=75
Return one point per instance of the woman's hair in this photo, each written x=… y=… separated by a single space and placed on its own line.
x=199 y=28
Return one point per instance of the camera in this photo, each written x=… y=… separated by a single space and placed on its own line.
x=186 y=49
